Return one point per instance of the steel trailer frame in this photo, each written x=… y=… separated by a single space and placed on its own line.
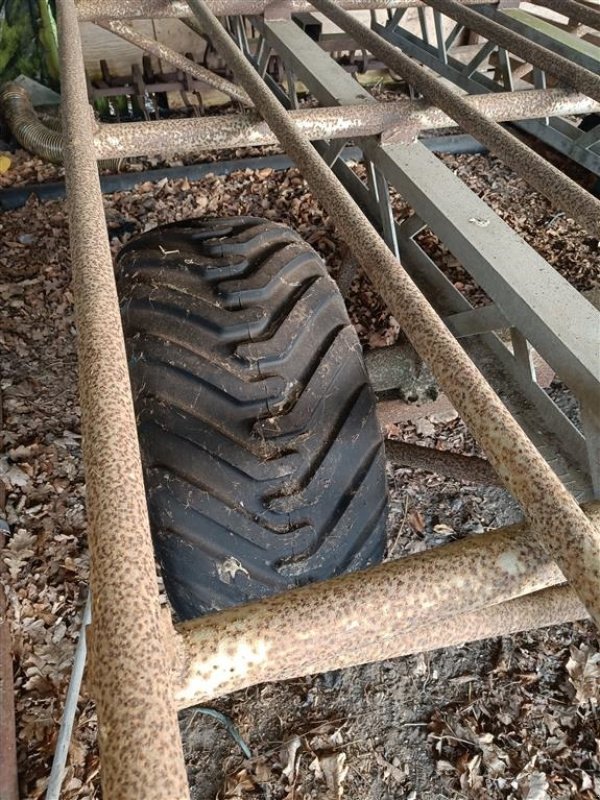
x=141 y=667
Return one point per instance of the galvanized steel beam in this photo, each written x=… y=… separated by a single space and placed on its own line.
x=538 y=301
x=559 y=133
x=329 y=84
x=548 y=60
x=130 y=666
x=578 y=12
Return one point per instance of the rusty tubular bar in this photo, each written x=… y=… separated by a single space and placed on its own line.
x=443 y=462
x=576 y=76
x=415 y=603
x=585 y=15
x=555 y=517
x=340 y=122
x=130 y=666
x=94 y=10
x=202 y=649
x=9 y=776
x=542 y=175
x=176 y=60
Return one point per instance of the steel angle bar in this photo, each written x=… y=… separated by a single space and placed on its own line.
x=575 y=11
x=412 y=604
x=537 y=55
x=555 y=436
x=93 y=10
x=402 y=119
x=556 y=518
x=176 y=60
x=543 y=176
x=537 y=300
x=130 y=666
x=543 y=33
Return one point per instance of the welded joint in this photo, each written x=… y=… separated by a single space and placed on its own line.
x=405 y=132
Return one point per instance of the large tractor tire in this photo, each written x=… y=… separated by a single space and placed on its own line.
x=263 y=459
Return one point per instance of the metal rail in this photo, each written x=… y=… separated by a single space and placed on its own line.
x=398 y=119
x=138 y=736
x=94 y=10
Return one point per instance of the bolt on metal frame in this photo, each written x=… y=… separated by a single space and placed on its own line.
x=141 y=667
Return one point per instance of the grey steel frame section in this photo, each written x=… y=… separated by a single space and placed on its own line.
x=530 y=302
x=513 y=26
x=506 y=36
x=544 y=177
x=559 y=133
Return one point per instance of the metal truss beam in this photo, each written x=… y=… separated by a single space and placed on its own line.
x=554 y=130
x=544 y=177
x=575 y=11
x=550 y=61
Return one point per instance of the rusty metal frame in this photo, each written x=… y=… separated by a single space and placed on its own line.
x=141 y=667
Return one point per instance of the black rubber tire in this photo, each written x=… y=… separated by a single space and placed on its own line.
x=263 y=459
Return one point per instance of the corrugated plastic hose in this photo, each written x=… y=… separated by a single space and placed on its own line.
x=29 y=130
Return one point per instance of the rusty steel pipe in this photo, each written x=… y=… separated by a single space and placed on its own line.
x=555 y=517
x=130 y=667
x=577 y=12
x=94 y=10
x=415 y=603
x=576 y=76
x=239 y=663
x=543 y=176
x=442 y=462
x=176 y=60
x=340 y=122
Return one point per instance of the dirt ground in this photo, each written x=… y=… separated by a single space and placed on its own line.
x=506 y=718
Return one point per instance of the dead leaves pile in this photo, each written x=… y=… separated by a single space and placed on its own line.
x=305 y=767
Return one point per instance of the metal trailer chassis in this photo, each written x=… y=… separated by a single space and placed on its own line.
x=142 y=668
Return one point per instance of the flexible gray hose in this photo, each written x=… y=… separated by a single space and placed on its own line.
x=29 y=130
